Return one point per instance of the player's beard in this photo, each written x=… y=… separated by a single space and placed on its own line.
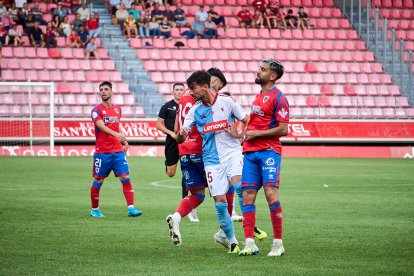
x=258 y=80
x=105 y=97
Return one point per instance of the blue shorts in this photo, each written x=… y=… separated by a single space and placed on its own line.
x=261 y=168
x=192 y=168
x=104 y=163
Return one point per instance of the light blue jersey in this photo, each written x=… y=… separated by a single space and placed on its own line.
x=211 y=122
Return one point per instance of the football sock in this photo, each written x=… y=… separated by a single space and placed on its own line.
x=95 y=188
x=189 y=203
x=239 y=191
x=128 y=191
x=224 y=219
x=276 y=217
x=249 y=220
x=230 y=199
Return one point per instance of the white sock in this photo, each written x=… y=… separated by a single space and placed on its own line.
x=233 y=240
x=277 y=241
x=249 y=241
x=130 y=206
x=176 y=216
x=95 y=208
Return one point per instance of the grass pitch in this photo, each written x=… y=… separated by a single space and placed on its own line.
x=341 y=216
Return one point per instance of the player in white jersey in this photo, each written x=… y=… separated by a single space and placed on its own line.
x=222 y=155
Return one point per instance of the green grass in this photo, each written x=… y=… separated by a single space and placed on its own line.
x=341 y=216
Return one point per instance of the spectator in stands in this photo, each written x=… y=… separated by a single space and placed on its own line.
x=274 y=6
x=157 y=13
x=77 y=22
x=37 y=14
x=121 y=15
x=75 y=5
x=14 y=12
x=3 y=34
x=197 y=29
x=179 y=16
x=259 y=5
x=74 y=40
x=165 y=29
x=134 y=11
x=169 y=14
x=60 y=11
x=210 y=28
x=50 y=36
x=7 y=20
x=154 y=27
x=93 y=26
x=270 y=17
x=245 y=18
x=303 y=19
x=66 y=5
x=85 y=13
x=216 y=18
x=291 y=19
x=3 y=8
x=128 y=3
x=91 y=49
x=29 y=25
x=281 y=16
x=130 y=25
x=143 y=25
x=23 y=14
x=202 y=14
x=66 y=27
x=258 y=19
x=114 y=6
x=56 y=22
x=84 y=36
x=14 y=36
x=36 y=36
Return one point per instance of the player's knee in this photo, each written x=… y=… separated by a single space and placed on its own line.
x=201 y=197
x=99 y=180
x=170 y=173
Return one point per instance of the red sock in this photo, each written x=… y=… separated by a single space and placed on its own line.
x=276 y=217
x=230 y=199
x=95 y=188
x=249 y=220
x=189 y=203
x=128 y=191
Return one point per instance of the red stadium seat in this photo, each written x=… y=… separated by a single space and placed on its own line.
x=62 y=64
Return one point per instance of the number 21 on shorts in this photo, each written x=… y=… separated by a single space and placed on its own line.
x=98 y=164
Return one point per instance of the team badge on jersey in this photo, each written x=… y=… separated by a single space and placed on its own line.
x=265 y=98
x=116 y=110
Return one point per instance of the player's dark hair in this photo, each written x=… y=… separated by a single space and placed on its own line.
x=213 y=71
x=177 y=84
x=105 y=83
x=276 y=66
x=199 y=77
x=300 y=7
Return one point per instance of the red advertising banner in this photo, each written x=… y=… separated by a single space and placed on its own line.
x=145 y=130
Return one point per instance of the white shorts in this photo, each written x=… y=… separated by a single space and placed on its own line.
x=219 y=176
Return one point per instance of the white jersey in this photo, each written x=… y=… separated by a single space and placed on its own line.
x=211 y=122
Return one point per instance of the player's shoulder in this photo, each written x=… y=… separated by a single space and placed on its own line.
x=97 y=108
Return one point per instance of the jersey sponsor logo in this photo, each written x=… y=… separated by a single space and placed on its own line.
x=215 y=126
x=112 y=119
x=283 y=112
x=265 y=98
x=255 y=109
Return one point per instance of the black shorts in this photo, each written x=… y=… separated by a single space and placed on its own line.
x=171 y=152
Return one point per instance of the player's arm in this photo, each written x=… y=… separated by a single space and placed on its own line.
x=161 y=126
x=189 y=121
x=101 y=125
x=176 y=124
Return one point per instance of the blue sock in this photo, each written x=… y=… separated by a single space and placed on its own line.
x=224 y=219
x=239 y=192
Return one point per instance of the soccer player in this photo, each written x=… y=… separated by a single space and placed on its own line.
x=165 y=123
x=222 y=156
x=191 y=159
x=110 y=149
x=269 y=118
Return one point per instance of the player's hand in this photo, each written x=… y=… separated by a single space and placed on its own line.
x=120 y=137
x=173 y=135
x=184 y=130
x=249 y=135
x=232 y=131
x=125 y=147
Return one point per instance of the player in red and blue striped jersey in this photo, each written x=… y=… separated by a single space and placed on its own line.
x=110 y=149
x=262 y=150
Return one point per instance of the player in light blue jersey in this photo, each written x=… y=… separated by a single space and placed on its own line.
x=222 y=156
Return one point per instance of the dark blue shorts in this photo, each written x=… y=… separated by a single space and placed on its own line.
x=192 y=168
x=104 y=163
x=261 y=168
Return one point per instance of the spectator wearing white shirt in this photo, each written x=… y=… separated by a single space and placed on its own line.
x=20 y=3
x=202 y=14
x=85 y=13
x=14 y=36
